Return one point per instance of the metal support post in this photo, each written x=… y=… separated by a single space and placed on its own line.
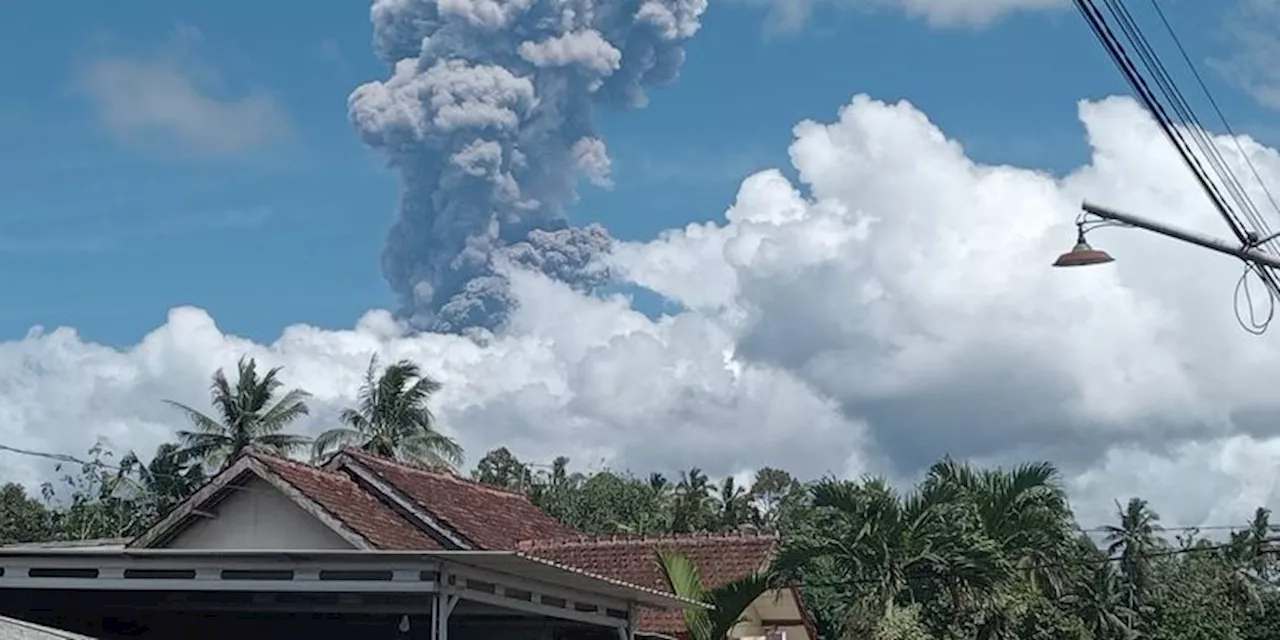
x=442 y=607
x=1213 y=244
x=629 y=632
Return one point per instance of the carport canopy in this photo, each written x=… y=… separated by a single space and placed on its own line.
x=443 y=589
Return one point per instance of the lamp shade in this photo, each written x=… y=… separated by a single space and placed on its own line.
x=1083 y=255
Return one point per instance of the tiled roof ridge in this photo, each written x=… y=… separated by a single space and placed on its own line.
x=268 y=457
x=281 y=466
x=443 y=475
x=630 y=539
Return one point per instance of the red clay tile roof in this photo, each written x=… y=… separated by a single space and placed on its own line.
x=351 y=505
x=720 y=558
x=491 y=518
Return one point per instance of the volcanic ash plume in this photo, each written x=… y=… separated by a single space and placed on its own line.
x=488 y=116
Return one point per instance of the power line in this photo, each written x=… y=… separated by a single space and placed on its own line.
x=119 y=469
x=1253 y=325
x=1190 y=137
x=1214 y=103
x=57 y=457
x=1176 y=528
x=1182 y=108
x=1120 y=56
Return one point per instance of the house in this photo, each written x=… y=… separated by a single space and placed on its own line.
x=357 y=500
x=721 y=558
x=374 y=542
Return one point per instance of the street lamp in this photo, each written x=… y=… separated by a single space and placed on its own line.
x=1082 y=255
x=1094 y=216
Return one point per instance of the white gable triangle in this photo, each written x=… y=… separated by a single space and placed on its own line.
x=248 y=507
x=256 y=515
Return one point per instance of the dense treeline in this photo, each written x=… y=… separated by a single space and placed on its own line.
x=967 y=554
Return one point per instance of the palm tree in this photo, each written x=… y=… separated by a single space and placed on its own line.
x=728 y=601
x=694 y=507
x=1136 y=538
x=652 y=513
x=1100 y=601
x=734 y=505
x=171 y=476
x=1251 y=549
x=660 y=489
x=247 y=417
x=394 y=419
x=1024 y=510
x=895 y=547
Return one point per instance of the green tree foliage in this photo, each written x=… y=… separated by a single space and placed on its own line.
x=901 y=623
x=967 y=554
x=996 y=554
x=161 y=484
x=777 y=500
x=500 y=468
x=22 y=517
x=727 y=602
x=102 y=499
x=970 y=553
x=249 y=416
x=393 y=418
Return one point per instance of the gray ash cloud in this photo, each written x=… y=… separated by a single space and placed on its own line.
x=488 y=116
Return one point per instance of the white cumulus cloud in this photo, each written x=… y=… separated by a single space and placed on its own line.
x=893 y=305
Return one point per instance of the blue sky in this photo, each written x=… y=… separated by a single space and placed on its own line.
x=275 y=213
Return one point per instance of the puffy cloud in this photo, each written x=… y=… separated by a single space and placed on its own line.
x=791 y=15
x=911 y=285
x=894 y=305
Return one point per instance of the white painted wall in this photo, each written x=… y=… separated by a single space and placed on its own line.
x=15 y=629
x=777 y=604
x=258 y=517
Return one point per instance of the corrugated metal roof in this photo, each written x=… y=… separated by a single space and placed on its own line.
x=14 y=629
x=513 y=563
x=535 y=568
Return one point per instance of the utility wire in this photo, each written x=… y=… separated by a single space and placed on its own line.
x=1253 y=325
x=1116 y=49
x=1218 y=110
x=1193 y=129
x=1189 y=120
x=1190 y=123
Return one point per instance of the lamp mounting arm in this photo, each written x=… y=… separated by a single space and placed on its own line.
x=1247 y=254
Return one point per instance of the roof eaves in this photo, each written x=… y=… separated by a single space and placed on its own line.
x=424 y=520
x=806 y=616
x=613 y=581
